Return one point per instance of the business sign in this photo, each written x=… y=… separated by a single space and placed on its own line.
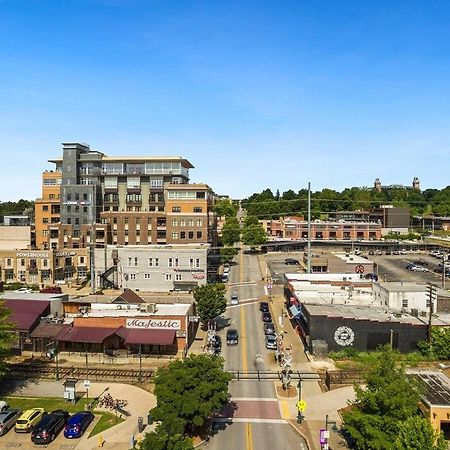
x=324 y=436
x=198 y=276
x=59 y=254
x=359 y=268
x=32 y=255
x=153 y=324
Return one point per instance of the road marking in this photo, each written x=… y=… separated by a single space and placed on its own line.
x=246 y=302
x=284 y=409
x=244 y=342
x=249 y=420
x=249 y=436
x=253 y=399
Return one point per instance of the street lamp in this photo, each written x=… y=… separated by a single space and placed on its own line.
x=140 y=363
x=330 y=422
x=53 y=353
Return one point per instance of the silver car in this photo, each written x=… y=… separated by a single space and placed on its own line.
x=271 y=342
x=8 y=419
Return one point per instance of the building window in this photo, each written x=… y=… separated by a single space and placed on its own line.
x=147 y=276
x=133 y=182
x=135 y=262
x=190 y=235
x=130 y=260
x=150 y=262
x=182 y=222
x=45 y=263
x=197 y=262
x=22 y=262
x=126 y=219
x=174 y=222
x=174 y=235
x=45 y=233
x=178 y=277
x=170 y=262
x=69 y=209
x=198 y=209
x=8 y=261
x=199 y=234
x=176 y=262
x=199 y=222
x=45 y=220
x=176 y=209
x=132 y=276
x=190 y=222
x=77 y=221
x=182 y=234
x=405 y=303
x=156 y=262
x=191 y=262
x=168 y=277
x=45 y=208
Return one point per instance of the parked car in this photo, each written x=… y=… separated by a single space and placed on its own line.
x=217 y=344
x=371 y=252
x=224 y=278
x=264 y=307
x=232 y=337
x=420 y=262
x=291 y=261
x=269 y=328
x=77 y=424
x=51 y=290
x=266 y=317
x=396 y=252
x=3 y=406
x=378 y=252
x=234 y=299
x=24 y=290
x=371 y=276
x=403 y=252
x=8 y=419
x=271 y=342
x=28 y=420
x=49 y=427
x=388 y=252
x=410 y=266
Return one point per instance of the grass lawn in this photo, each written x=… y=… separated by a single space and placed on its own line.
x=107 y=419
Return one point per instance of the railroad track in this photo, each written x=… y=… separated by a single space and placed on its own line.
x=91 y=373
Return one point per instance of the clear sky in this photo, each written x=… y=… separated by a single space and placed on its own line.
x=255 y=94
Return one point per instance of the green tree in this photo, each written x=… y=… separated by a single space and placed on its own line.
x=231 y=232
x=210 y=300
x=189 y=392
x=440 y=344
x=417 y=433
x=388 y=399
x=7 y=336
x=250 y=220
x=161 y=440
x=228 y=253
x=254 y=235
x=225 y=208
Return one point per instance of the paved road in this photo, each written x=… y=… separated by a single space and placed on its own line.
x=255 y=412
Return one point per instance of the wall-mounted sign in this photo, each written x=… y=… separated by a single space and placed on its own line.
x=153 y=324
x=181 y=333
x=344 y=336
x=194 y=318
x=177 y=269
x=198 y=276
x=32 y=255
x=58 y=254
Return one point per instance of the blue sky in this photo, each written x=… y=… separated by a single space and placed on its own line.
x=255 y=94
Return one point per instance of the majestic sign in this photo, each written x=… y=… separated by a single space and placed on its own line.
x=153 y=324
x=344 y=336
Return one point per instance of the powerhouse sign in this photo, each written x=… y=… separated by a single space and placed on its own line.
x=153 y=324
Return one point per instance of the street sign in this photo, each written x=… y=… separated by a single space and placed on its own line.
x=87 y=384
x=194 y=318
x=269 y=286
x=324 y=436
x=359 y=268
x=301 y=405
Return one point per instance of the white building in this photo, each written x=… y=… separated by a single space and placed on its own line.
x=408 y=297
x=152 y=268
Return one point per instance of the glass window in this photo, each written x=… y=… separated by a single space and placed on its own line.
x=168 y=277
x=133 y=182
x=174 y=235
x=111 y=182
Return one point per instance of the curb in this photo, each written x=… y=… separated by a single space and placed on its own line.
x=308 y=443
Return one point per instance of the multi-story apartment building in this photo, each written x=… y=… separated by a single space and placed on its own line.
x=121 y=200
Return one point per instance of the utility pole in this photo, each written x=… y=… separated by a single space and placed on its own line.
x=432 y=295
x=91 y=246
x=309 y=228
x=444 y=268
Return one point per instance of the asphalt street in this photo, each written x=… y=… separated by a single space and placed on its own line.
x=253 y=419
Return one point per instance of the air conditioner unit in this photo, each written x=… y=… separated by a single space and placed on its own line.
x=415 y=312
x=151 y=307
x=119 y=306
x=128 y=306
x=143 y=307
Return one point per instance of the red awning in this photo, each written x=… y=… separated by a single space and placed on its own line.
x=154 y=337
x=92 y=335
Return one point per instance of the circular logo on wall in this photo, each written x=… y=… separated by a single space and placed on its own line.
x=344 y=336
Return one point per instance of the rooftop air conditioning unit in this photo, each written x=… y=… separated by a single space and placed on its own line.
x=415 y=312
x=143 y=307
x=151 y=307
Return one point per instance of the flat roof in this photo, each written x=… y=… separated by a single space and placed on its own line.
x=354 y=312
x=174 y=309
x=184 y=161
x=351 y=258
x=403 y=286
x=436 y=388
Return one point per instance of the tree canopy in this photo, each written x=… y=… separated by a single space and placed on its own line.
x=388 y=399
x=439 y=347
x=210 y=300
x=231 y=231
x=253 y=235
x=189 y=392
x=266 y=205
x=416 y=433
x=225 y=208
x=162 y=440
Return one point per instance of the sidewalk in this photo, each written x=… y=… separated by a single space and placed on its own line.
x=318 y=403
x=117 y=437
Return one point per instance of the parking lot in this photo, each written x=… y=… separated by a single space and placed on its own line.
x=389 y=267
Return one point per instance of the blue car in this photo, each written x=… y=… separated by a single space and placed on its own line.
x=77 y=424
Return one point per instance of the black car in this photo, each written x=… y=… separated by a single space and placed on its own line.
x=217 y=344
x=49 y=427
x=269 y=328
x=264 y=307
x=291 y=261
x=266 y=317
x=232 y=337
x=388 y=252
x=420 y=262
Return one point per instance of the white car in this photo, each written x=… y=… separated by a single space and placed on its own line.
x=24 y=291
x=234 y=299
